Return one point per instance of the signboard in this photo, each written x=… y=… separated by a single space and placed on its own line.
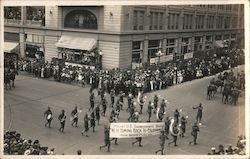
x=131 y=130
x=152 y=60
x=169 y=57
x=79 y=65
x=188 y=55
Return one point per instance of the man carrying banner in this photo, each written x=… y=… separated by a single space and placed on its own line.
x=194 y=133
x=162 y=142
x=62 y=118
x=106 y=139
x=135 y=119
x=74 y=115
x=48 y=115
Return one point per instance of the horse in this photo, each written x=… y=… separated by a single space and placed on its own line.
x=225 y=94
x=234 y=96
x=211 y=90
x=219 y=83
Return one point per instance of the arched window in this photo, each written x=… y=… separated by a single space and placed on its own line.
x=81 y=19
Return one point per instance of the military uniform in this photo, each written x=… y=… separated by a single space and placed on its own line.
x=150 y=108
x=106 y=139
x=62 y=118
x=162 y=143
x=48 y=113
x=199 y=113
x=91 y=100
x=74 y=114
x=194 y=133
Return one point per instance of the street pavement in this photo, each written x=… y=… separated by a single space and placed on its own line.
x=25 y=105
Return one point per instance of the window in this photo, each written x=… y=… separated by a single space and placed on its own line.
x=200 y=21
x=210 y=22
x=81 y=19
x=198 y=43
x=171 y=46
x=156 y=21
x=234 y=22
x=187 y=21
x=219 y=21
x=161 y=21
x=186 y=45
x=173 y=21
x=138 y=20
x=137 y=49
x=227 y=23
x=153 y=47
x=208 y=42
x=12 y=13
x=36 y=15
x=218 y=37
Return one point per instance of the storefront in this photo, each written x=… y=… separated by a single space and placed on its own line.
x=34 y=46
x=78 y=51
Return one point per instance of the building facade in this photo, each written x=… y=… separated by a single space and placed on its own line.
x=123 y=36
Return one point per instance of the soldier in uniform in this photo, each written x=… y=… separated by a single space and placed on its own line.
x=106 y=139
x=62 y=118
x=74 y=115
x=91 y=100
x=183 y=126
x=194 y=133
x=141 y=103
x=121 y=99
x=199 y=113
x=135 y=118
x=150 y=108
x=156 y=99
x=86 y=125
x=174 y=134
x=48 y=115
x=112 y=97
x=176 y=116
x=104 y=106
x=92 y=120
x=167 y=124
x=162 y=142
x=130 y=100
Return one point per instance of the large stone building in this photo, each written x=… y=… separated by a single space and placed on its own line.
x=123 y=36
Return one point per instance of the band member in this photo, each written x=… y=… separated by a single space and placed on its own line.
x=156 y=99
x=135 y=118
x=150 y=108
x=121 y=99
x=174 y=134
x=176 y=115
x=130 y=100
x=167 y=124
x=62 y=118
x=97 y=114
x=194 y=133
x=106 y=139
x=138 y=139
x=199 y=113
x=48 y=115
x=162 y=142
x=112 y=119
x=74 y=115
x=91 y=100
x=141 y=102
x=118 y=107
x=104 y=106
x=112 y=97
x=132 y=111
x=183 y=126
x=86 y=125
x=92 y=121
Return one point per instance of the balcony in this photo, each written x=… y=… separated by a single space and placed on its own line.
x=12 y=21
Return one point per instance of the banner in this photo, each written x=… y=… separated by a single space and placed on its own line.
x=131 y=130
x=188 y=55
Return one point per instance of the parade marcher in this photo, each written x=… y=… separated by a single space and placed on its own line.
x=48 y=115
x=194 y=133
x=176 y=115
x=74 y=115
x=104 y=106
x=167 y=124
x=138 y=139
x=135 y=118
x=199 y=113
x=91 y=100
x=62 y=118
x=174 y=134
x=106 y=139
x=141 y=103
x=86 y=125
x=97 y=114
x=132 y=111
x=150 y=108
x=92 y=120
x=183 y=121
x=156 y=99
x=112 y=97
x=130 y=100
x=113 y=119
x=162 y=142
x=121 y=99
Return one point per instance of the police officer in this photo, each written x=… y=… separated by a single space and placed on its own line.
x=106 y=139
x=150 y=108
x=48 y=115
x=91 y=100
x=62 y=118
x=74 y=115
x=194 y=133
x=183 y=126
x=162 y=142
x=199 y=113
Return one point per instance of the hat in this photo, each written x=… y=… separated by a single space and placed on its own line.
x=213 y=148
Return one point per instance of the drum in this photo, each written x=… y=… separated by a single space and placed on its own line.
x=49 y=117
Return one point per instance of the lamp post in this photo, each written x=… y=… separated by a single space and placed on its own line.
x=159 y=53
x=100 y=58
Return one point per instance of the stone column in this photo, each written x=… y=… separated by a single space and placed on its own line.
x=23 y=15
x=22 y=43
x=145 y=50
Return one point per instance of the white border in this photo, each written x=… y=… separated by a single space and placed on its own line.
x=127 y=2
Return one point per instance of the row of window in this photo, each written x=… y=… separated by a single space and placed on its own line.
x=188 y=21
x=172 y=45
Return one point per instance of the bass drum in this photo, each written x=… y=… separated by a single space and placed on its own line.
x=49 y=117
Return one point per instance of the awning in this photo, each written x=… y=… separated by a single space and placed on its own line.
x=78 y=43
x=10 y=46
x=219 y=43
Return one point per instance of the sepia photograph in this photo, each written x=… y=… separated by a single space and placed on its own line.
x=124 y=80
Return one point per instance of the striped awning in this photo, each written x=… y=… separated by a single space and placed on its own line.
x=10 y=47
x=78 y=43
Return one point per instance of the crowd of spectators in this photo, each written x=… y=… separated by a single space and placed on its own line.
x=14 y=144
x=146 y=79
x=12 y=13
x=239 y=149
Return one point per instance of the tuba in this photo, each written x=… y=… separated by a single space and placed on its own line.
x=171 y=128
